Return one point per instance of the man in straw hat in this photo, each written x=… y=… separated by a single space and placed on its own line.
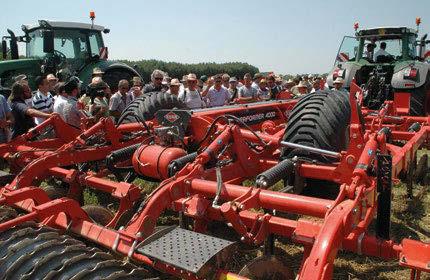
x=97 y=72
x=191 y=96
x=302 y=88
x=174 y=87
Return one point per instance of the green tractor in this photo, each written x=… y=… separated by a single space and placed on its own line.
x=62 y=48
x=399 y=73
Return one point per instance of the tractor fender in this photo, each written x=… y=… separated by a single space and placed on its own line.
x=399 y=81
x=346 y=70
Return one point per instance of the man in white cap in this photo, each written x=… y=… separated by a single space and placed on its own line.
x=191 y=96
x=233 y=88
x=338 y=84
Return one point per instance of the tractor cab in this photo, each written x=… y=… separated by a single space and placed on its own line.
x=64 y=45
x=361 y=56
x=400 y=45
x=62 y=48
x=384 y=61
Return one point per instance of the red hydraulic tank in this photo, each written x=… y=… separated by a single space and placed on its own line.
x=153 y=160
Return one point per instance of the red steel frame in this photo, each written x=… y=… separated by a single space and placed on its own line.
x=344 y=220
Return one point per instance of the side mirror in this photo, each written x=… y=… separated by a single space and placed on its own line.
x=48 y=41
x=4 y=49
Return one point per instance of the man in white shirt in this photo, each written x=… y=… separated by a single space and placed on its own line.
x=256 y=83
x=61 y=100
x=217 y=95
x=381 y=51
x=191 y=96
x=118 y=101
x=247 y=92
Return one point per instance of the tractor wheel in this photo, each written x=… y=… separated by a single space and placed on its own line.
x=42 y=253
x=112 y=77
x=98 y=213
x=318 y=120
x=145 y=107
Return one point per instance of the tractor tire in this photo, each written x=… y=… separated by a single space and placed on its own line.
x=145 y=107
x=7 y=213
x=42 y=253
x=318 y=120
x=112 y=78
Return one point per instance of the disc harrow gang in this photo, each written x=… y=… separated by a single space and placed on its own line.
x=204 y=164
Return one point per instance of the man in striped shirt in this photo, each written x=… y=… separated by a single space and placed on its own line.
x=42 y=100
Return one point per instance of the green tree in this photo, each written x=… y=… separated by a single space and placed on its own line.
x=177 y=70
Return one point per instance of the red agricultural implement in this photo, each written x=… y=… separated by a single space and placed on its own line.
x=203 y=158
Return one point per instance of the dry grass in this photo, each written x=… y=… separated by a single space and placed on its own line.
x=409 y=219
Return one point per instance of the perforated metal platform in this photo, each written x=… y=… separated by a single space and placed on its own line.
x=184 y=249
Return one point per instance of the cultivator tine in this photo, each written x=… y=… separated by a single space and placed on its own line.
x=384 y=163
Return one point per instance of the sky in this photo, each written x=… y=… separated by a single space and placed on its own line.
x=279 y=35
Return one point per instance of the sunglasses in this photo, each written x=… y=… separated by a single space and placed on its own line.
x=218 y=81
x=158 y=78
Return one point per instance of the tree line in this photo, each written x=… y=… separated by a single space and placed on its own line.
x=177 y=70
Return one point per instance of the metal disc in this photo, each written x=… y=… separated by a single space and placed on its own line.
x=98 y=213
x=267 y=268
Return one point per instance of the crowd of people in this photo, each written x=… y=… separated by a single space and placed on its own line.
x=24 y=109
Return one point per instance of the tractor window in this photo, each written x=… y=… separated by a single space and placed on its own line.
x=72 y=43
x=394 y=47
x=348 y=49
x=412 y=46
x=35 y=45
x=96 y=43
